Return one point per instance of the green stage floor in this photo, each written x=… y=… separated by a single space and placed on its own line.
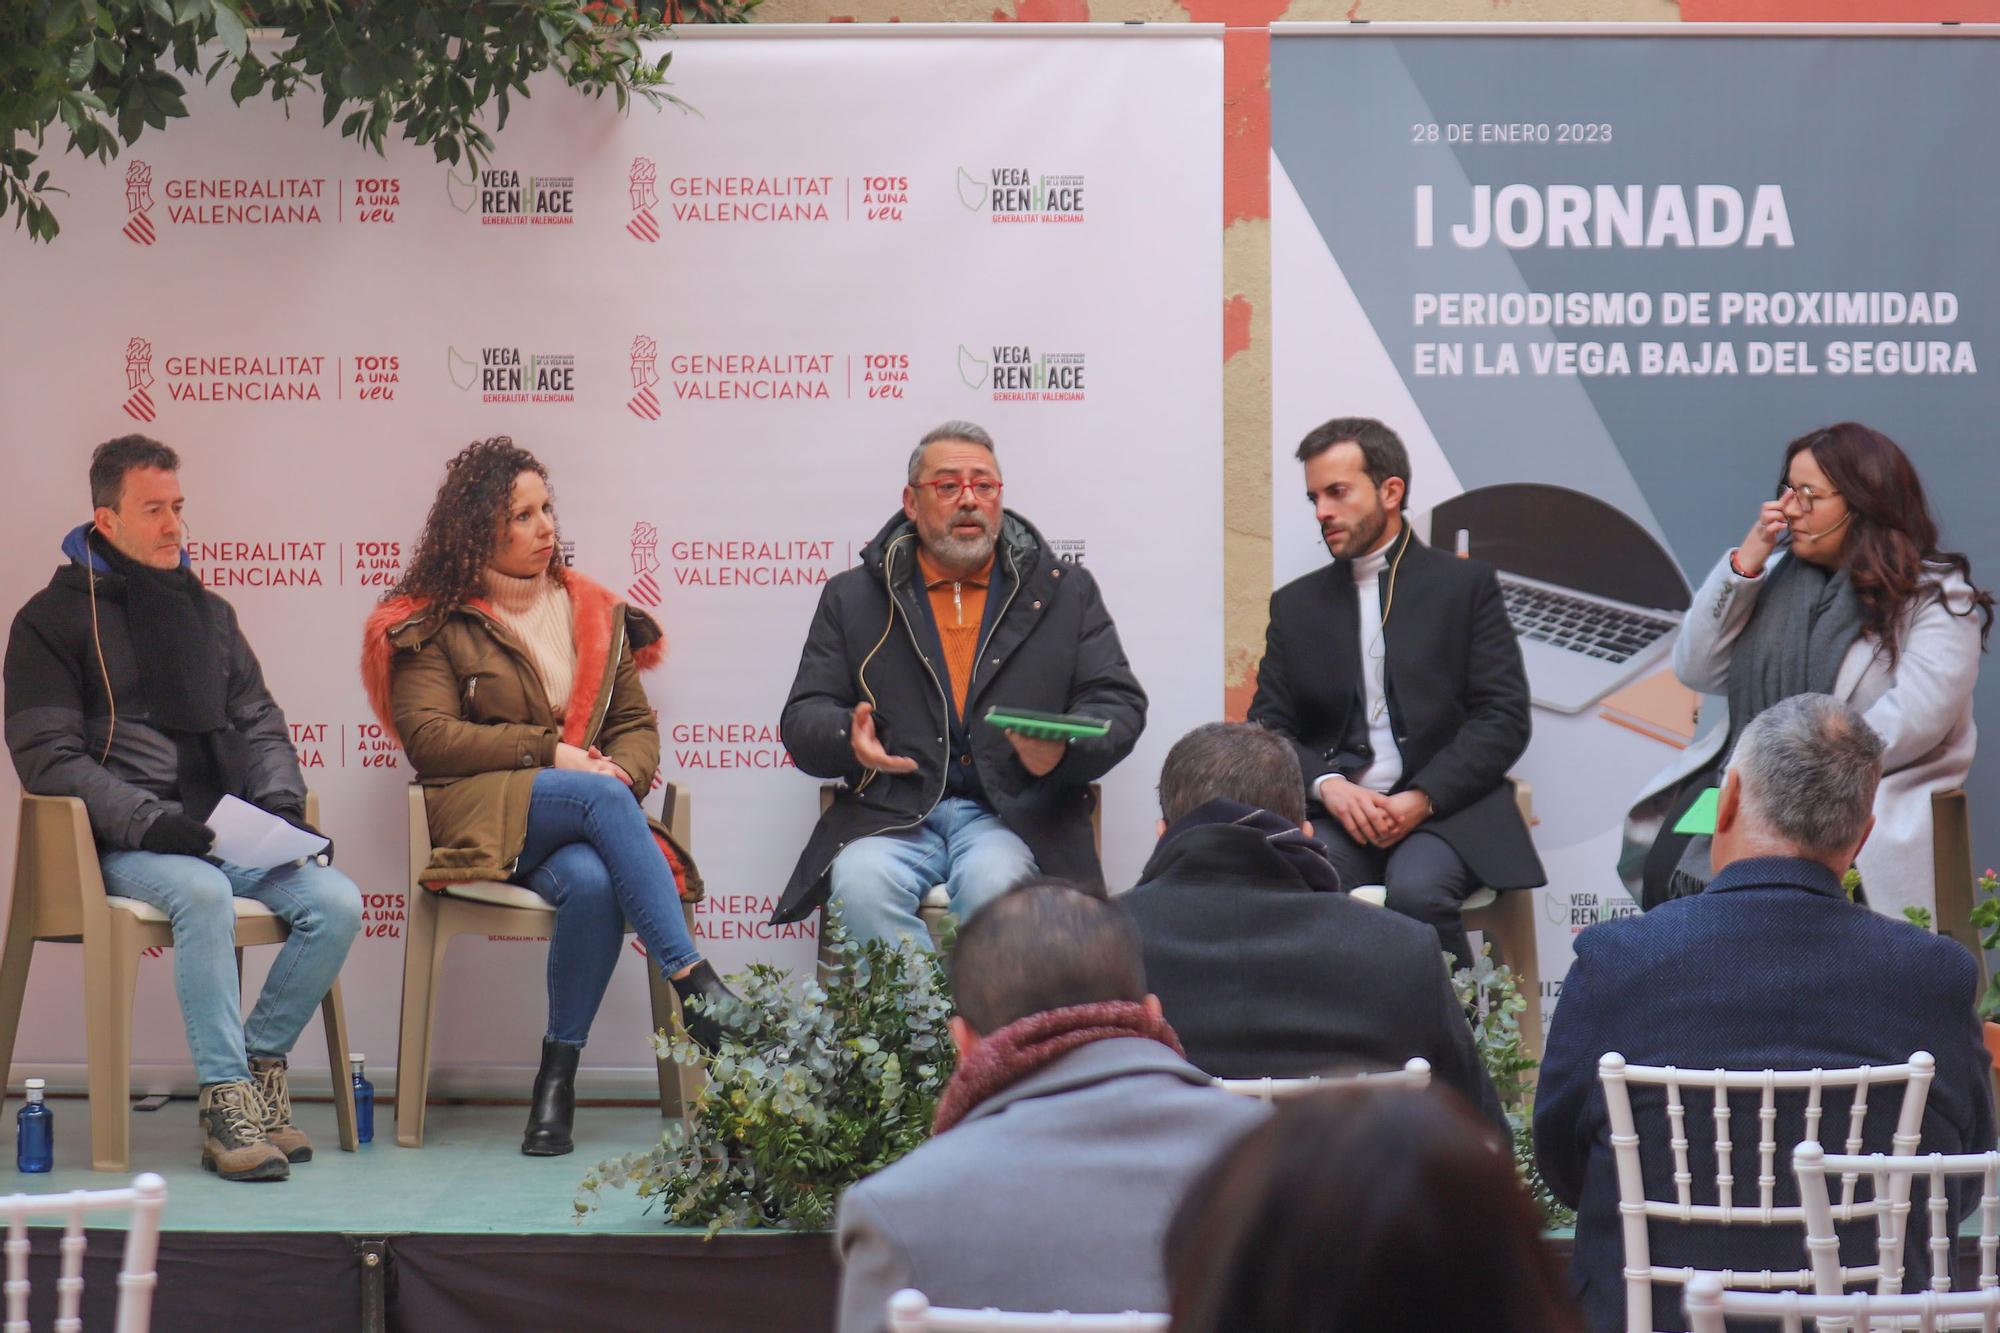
x=468 y=1178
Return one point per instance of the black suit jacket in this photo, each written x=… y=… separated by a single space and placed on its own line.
x=1263 y=978
x=1770 y=967
x=1458 y=696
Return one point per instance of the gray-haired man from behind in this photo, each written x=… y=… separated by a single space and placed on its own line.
x=1769 y=967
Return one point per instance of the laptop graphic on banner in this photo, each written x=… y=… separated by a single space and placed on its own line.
x=1594 y=599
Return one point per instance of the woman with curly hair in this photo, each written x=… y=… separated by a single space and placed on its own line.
x=512 y=683
x=1839 y=588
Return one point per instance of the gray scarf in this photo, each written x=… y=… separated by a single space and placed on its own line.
x=1805 y=620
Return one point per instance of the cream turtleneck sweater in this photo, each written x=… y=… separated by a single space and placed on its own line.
x=1387 y=770
x=537 y=611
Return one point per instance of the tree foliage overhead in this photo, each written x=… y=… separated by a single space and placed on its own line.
x=102 y=72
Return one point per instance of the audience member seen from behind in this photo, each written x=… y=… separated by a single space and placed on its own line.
x=1352 y=1209
x=957 y=607
x=1064 y=1139
x=1838 y=588
x=1769 y=967
x=513 y=686
x=1262 y=962
x=131 y=687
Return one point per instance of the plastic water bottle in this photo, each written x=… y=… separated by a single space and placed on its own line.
x=35 y=1146
x=364 y=1100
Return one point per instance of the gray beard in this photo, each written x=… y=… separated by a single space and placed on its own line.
x=961 y=552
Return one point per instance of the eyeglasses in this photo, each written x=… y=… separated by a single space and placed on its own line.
x=984 y=489
x=1805 y=495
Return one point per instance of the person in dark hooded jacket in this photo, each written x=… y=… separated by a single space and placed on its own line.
x=957 y=607
x=131 y=687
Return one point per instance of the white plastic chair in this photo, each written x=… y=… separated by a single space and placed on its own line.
x=910 y=1311
x=1891 y=1178
x=1708 y=1303
x=1416 y=1074
x=143 y=1199
x=1635 y=1209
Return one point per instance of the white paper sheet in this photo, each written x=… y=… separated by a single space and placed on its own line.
x=257 y=840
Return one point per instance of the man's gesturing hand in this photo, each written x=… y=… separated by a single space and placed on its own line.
x=868 y=751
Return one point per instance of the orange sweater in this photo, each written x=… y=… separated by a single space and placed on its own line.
x=957 y=605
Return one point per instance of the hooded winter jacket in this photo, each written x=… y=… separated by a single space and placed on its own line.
x=457 y=691
x=1048 y=645
x=77 y=721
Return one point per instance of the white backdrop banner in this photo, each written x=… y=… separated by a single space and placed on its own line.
x=722 y=331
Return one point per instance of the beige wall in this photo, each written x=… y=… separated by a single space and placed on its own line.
x=1246 y=349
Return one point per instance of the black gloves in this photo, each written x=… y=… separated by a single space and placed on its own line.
x=297 y=819
x=177 y=835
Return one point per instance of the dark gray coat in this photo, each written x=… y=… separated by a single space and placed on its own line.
x=1050 y=646
x=1263 y=978
x=59 y=716
x=1052 y=1194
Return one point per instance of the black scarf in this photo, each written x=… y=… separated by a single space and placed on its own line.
x=1806 y=619
x=183 y=668
x=1304 y=853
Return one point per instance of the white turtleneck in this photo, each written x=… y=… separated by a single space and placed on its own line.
x=1387 y=770
x=537 y=610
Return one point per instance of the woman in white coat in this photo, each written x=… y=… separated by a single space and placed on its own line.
x=1839 y=588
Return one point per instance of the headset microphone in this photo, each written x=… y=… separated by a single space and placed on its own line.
x=1829 y=531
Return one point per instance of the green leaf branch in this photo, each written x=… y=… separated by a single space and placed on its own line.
x=103 y=72
x=814 y=1087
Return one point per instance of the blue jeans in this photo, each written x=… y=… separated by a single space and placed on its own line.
x=590 y=852
x=321 y=907
x=879 y=882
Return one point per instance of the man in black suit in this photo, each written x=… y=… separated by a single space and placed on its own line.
x=1396 y=676
x=1262 y=964
x=1769 y=967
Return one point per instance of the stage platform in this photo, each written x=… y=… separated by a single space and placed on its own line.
x=463 y=1233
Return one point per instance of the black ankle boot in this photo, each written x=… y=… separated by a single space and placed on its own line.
x=702 y=1026
x=553 y=1109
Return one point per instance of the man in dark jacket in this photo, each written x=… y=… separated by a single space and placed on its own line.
x=1770 y=967
x=957 y=607
x=1263 y=964
x=130 y=686
x=1396 y=675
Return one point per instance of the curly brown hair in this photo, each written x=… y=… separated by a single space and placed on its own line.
x=1892 y=556
x=460 y=533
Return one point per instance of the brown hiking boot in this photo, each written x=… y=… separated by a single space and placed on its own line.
x=233 y=1142
x=268 y=1073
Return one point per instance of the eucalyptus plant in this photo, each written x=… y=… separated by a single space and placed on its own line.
x=814 y=1088
x=1491 y=995
x=103 y=72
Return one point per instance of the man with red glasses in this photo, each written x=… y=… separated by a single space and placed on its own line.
x=958 y=607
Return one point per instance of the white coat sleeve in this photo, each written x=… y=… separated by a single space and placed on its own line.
x=1931 y=682
x=1714 y=621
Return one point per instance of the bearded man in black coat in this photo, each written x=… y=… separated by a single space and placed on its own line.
x=1396 y=675
x=958 y=606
